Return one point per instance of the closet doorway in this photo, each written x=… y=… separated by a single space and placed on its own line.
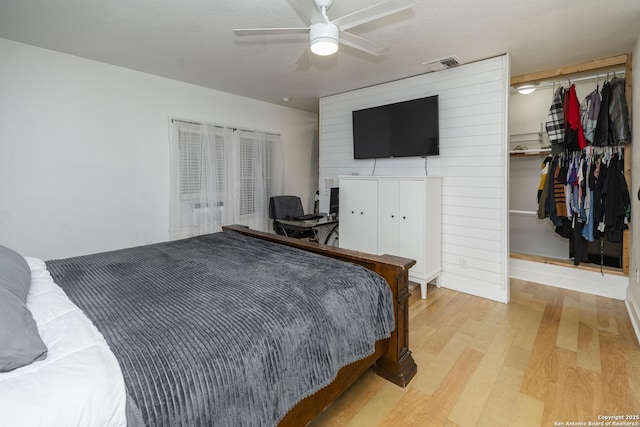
x=538 y=240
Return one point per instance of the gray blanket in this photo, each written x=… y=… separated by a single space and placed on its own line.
x=225 y=329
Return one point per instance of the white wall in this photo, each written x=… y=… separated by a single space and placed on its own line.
x=633 y=292
x=84 y=158
x=473 y=151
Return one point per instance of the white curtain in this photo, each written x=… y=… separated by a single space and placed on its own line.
x=221 y=175
x=256 y=177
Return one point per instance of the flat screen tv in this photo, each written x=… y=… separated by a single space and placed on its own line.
x=404 y=129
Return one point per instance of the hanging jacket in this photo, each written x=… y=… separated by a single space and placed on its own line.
x=601 y=136
x=555 y=118
x=584 y=110
x=618 y=114
x=591 y=120
x=617 y=200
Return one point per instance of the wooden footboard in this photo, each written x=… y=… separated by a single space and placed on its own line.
x=392 y=358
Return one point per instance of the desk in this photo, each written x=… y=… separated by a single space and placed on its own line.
x=315 y=225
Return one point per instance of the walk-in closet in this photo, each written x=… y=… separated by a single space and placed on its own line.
x=568 y=170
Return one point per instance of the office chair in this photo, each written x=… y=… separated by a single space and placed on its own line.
x=288 y=208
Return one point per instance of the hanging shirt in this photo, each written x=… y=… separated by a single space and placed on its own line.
x=555 y=119
x=574 y=128
x=584 y=110
x=587 y=230
x=543 y=188
x=572 y=182
x=592 y=115
x=582 y=216
x=601 y=134
x=559 y=192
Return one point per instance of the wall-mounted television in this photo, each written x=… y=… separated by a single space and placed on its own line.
x=403 y=129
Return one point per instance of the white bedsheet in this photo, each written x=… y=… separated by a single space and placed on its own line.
x=79 y=383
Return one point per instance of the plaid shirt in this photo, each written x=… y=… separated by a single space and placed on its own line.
x=555 y=119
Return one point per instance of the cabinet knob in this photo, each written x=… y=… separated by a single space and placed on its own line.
x=404 y=217
x=352 y=212
x=393 y=216
x=361 y=213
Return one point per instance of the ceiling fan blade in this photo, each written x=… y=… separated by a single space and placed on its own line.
x=361 y=44
x=269 y=31
x=303 y=61
x=304 y=57
x=372 y=13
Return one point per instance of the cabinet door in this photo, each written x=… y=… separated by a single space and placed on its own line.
x=368 y=216
x=411 y=224
x=388 y=217
x=348 y=214
x=358 y=214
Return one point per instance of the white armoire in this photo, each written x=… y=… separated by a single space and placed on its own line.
x=397 y=216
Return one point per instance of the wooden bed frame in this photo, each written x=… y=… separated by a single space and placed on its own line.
x=392 y=358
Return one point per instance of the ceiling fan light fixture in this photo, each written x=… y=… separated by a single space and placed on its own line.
x=324 y=47
x=324 y=38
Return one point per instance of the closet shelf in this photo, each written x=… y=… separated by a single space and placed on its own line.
x=520 y=212
x=529 y=152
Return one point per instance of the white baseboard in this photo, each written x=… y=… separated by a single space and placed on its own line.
x=473 y=287
x=634 y=315
x=591 y=282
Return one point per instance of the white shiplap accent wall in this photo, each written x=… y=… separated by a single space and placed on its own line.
x=473 y=162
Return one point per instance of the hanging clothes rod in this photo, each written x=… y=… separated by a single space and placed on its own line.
x=512 y=211
x=618 y=72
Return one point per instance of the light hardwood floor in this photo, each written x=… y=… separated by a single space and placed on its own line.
x=550 y=356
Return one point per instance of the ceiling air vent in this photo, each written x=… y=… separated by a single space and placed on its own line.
x=442 y=63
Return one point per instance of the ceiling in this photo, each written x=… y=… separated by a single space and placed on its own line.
x=192 y=40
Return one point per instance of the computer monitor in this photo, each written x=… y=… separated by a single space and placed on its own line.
x=334 y=200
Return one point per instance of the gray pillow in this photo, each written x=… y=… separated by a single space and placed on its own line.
x=20 y=343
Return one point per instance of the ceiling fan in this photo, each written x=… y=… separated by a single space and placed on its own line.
x=325 y=33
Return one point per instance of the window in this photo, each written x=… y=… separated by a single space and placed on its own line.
x=221 y=175
x=247 y=177
x=258 y=171
x=189 y=164
x=191 y=154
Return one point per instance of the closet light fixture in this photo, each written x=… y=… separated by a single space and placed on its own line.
x=527 y=89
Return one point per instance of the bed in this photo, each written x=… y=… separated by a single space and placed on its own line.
x=168 y=356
